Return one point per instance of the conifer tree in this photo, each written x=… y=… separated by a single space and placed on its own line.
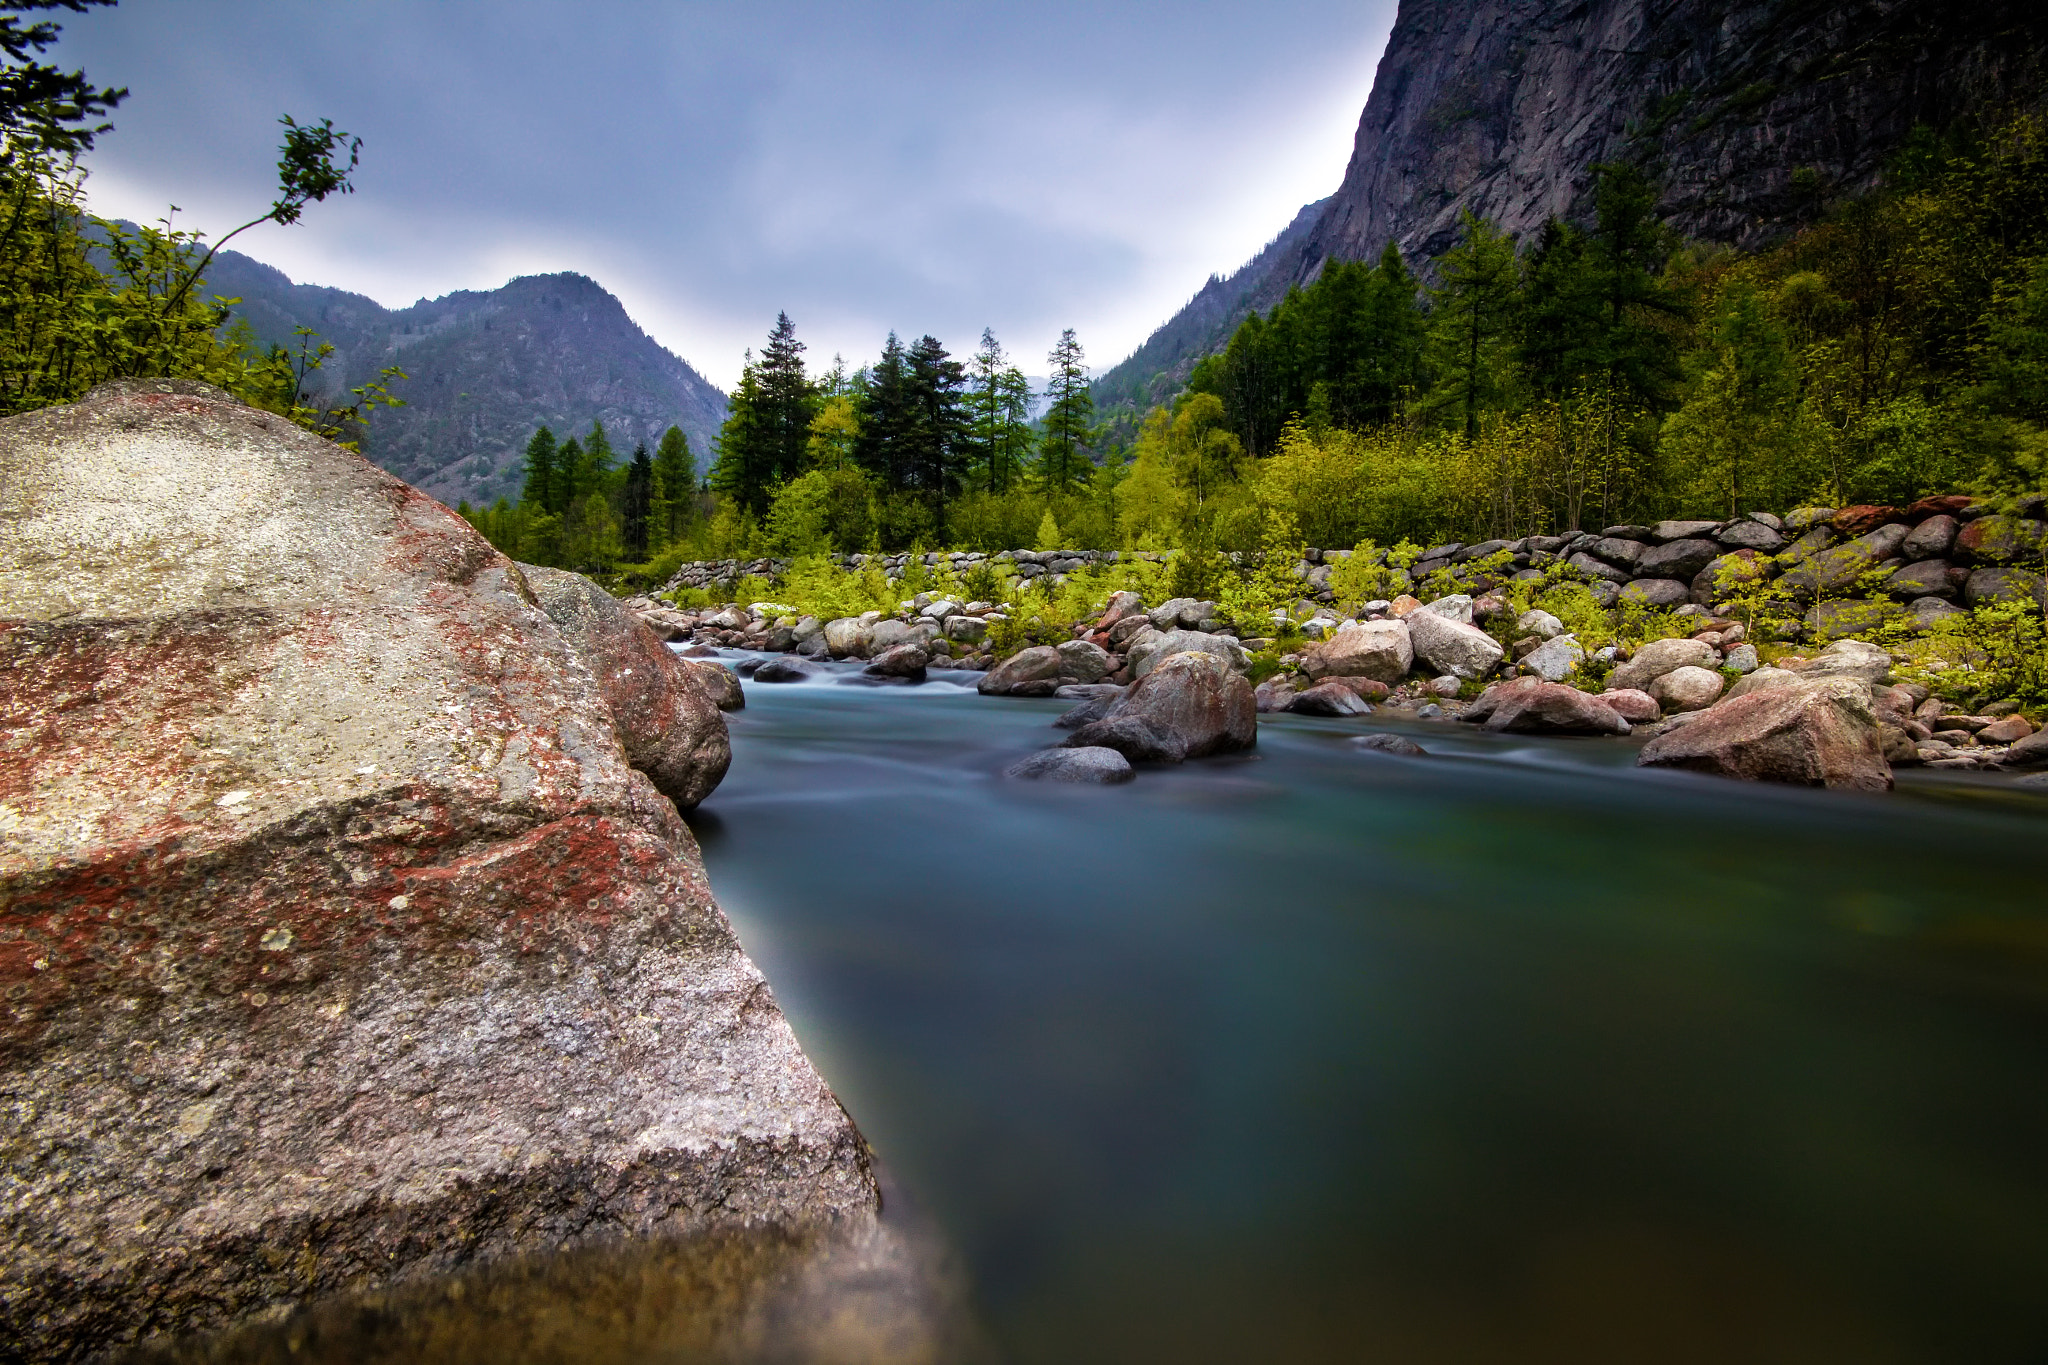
x=1472 y=311
x=1000 y=406
x=935 y=430
x=639 y=503
x=675 y=482
x=1069 y=422
x=542 y=471
x=569 y=465
x=879 y=447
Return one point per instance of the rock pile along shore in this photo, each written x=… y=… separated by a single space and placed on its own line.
x=1833 y=718
x=349 y=930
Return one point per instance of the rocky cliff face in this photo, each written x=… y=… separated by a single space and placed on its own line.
x=1750 y=114
x=485 y=368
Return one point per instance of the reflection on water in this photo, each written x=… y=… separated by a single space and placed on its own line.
x=1510 y=1053
x=861 y=1291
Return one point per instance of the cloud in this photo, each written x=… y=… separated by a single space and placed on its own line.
x=930 y=166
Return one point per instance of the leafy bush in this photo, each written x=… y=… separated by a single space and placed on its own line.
x=1993 y=652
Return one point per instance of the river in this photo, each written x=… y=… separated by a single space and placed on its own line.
x=1514 y=1052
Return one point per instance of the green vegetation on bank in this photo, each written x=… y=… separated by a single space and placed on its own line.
x=85 y=300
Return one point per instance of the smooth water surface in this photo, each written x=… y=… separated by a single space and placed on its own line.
x=1511 y=1053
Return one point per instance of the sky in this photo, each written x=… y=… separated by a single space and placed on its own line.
x=922 y=167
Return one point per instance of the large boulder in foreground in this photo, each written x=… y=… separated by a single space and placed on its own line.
x=1818 y=734
x=340 y=943
x=1197 y=699
x=666 y=718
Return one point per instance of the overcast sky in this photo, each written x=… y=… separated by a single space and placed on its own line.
x=928 y=167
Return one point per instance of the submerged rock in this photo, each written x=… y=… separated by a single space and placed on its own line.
x=899 y=661
x=343 y=944
x=1820 y=733
x=784 y=671
x=1389 y=744
x=1093 y=764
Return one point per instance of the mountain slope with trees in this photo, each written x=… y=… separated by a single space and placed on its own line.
x=1751 y=118
x=486 y=368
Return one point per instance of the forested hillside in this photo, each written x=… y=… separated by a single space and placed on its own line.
x=485 y=370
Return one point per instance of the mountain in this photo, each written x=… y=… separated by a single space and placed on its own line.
x=485 y=369
x=1751 y=116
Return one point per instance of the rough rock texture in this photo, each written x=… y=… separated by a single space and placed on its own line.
x=1688 y=688
x=1148 y=649
x=1632 y=705
x=1197 y=697
x=720 y=683
x=1811 y=734
x=1329 y=699
x=1379 y=650
x=1135 y=737
x=1039 y=664
x=1659 y=657
x=340 y=942
x=1532 y=706
x=1449 y=647
x=1389 y=744
x=1092 y=764
x=899 y=661
x=668 y=721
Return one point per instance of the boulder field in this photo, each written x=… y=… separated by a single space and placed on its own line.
x=349 y=930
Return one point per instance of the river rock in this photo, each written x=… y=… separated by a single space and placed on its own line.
x=1668 y=532
x=898 y=661
x=1082 y=661
x=1178 y=611
x=1657 y=592
x=1849 y=659
x=2000 y=540
x=1539 y=623
x=1455 y=606
x=1119 y=606
x=1380 y=650
x=1096 y=765
x=719 y=682
x=1399 y=745
x=2004 y=585
x=1680 y=559
x=1832 y=572
x=1688 y=688
x=1634 y=706
x=1931 y=539
x=342 y=944
x=1532 y=706
x=1329 y=699
x=1135 y=737
x=1035 y=670
x=847 y=638
x=1928 y=578
x=1761 y=680
x=1197 y=697
x=1449 y=647
x=2031 y=752
x=1275 y=693
x=1749 y=534
x=1146 y=651
x=667 y=720
x=1741 y=659
x=968 y=630
x=1811 y=734
x=1659 y=657
x=784 y=671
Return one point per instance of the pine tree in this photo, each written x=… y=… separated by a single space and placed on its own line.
x=1472 y=311
x=1069 y=421
x=675 y=478
x=788 y=403
x=1000 y=425
x=935 y=434
x=742 y=472
x=569 y=466
x=639 y=503
x=1391 y=333
x=542 y=471
x=884 y=419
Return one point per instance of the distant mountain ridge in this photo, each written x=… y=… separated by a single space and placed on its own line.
x=1749 y=114
x=485 y=369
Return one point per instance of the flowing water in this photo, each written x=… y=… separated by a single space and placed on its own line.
x=1515 y=1052
x=1510 y=1053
